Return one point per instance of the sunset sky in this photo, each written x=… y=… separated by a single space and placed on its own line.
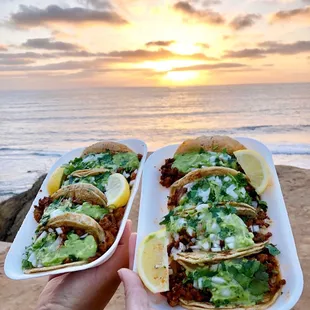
x=92 y=43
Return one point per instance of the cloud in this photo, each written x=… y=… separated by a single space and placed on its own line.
x=144 y=55
x=160 y=43
x=203 y=45
x=31 y=16
x=3 y=48
x=199 y=15
x=97 y=4
x=302 y=14
x=126 y=56
x=245 y=53
x=207 y=3
x=244 y=21
x=13 y=62
x=223 y=65
x=27 y=55
x=49 y=44
x=270 y=47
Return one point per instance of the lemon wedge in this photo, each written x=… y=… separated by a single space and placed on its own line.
x=55 y=180
x=152 y=261
x=117 y=191
x=255 y=167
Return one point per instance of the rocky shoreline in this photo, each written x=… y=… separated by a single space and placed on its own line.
x=14 y=210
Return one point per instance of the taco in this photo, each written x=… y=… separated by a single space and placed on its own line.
x=68 y=239
x=210 y=233
x=97 y=177
x=213 y=185
x=78 y=198
x=111 y=156
x=252 y=282
x=204 y=151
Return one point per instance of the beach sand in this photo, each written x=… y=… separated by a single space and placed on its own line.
x=295 y=183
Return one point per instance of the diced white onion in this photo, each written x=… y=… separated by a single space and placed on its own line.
x=230 y=191
x=136 y=171
x=213 y=237
x=190 y=231
x=206 y=246
x=56 y=244
x=84 y=236
x=242 y=191
x=126 y=175
x=231 y=245
x=180 y=223
x=254 y=204
x=50 y=230
x=59 y=230
x=39 y=265
x=132 y=183
x=202 y=206
x=218 y=280
x=195 y=247
x=227 y=179
x=230 y=239
x=216 y=249
x=33 y=259
x=204 y=194
x=170 y=272
x=215 y=227
x=195 y=284
x=255 y=228
x=176 y=236
x=216 y=243
x=212 y=159
x=193 y=239
x=218 y=181
x=43 y=235
x=225 y=292
x=200 y=283
x=182 y=247
x=189 y=186
x=56 y=213
x=214 y=267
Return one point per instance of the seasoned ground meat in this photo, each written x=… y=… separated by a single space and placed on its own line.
x=185 y=238
x=133 y=176
x=259 y=220
x=180 y=290
x=140 y=157
x=174 y=200
x=110 y=224
x=260 y=237
x=168 y=174
x=39 y=209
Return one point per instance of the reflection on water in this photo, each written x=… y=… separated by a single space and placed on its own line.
x=36 y=127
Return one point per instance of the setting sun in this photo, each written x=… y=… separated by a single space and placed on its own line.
x=181 y=76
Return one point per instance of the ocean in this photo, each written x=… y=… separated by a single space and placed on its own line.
x=37 y=127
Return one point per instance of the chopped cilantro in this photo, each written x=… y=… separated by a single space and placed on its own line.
x=263 y=205
x=272 y=249
x=166 y=219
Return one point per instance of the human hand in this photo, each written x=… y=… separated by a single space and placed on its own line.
x=88 y=289
x=135 y=294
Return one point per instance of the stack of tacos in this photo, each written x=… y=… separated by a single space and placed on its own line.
x=99 y=161
x=219 y=250
x=76 y=225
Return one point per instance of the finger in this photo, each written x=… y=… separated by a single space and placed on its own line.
x=132 y=249
x=135 y=294
x=127 y=230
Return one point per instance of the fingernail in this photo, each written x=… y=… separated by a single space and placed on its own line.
x=120 y=274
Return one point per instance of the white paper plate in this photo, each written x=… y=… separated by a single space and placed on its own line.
x=13 y=261
x=153 y=207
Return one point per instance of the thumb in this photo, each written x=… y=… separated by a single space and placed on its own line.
x=135 y=294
